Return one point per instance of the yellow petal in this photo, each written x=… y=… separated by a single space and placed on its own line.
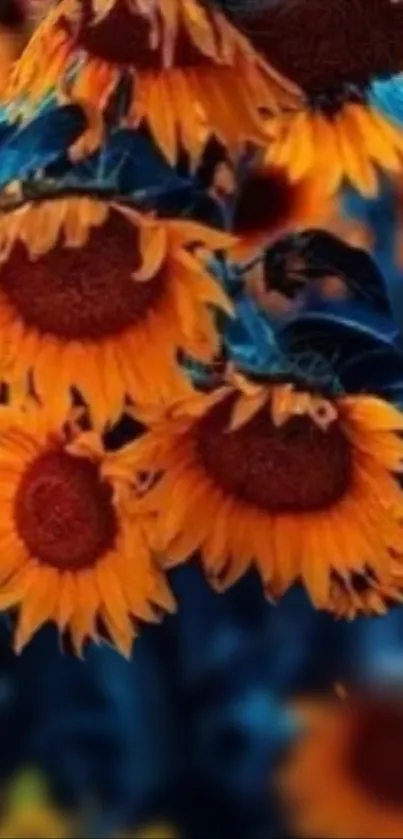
x=245 y=409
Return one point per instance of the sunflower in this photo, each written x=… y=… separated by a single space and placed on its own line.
x=268 y=203
x=152 y=830
x=360 y=595
x=18 y=19
x=348 y=142
x=344 y=776
x=95 y=296
x=277 y=476
x=74 y=550
x=335 y=52
x=29 y=812
x=179 y=59
x=14 y=33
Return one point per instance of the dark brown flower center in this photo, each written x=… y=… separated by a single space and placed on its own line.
x=83 y=293
x=330 y=101
x=265 y=202
x=319 y=44
x=375 y=754
x=295 y=468
x=64 y=512
x=12 y=14
x=123 y=38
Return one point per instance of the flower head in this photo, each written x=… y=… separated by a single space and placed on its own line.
x=280 y=477
x=348 y=141
x=344 y=777
x=333 y=51
x=178 y=57
x=268 y=204
x=14 y=33
x=29 y=812
x=319 y=46
x=98 y=297
x=74 y=548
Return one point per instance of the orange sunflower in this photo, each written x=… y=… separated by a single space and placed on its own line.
x=180 y=58
x=350 y=143
x=360 y=595
x=73 y=547
x=18 y=19
x=336 y=52
x=278 y=476
x=28 y=811
x=98 y=297
x=268 y=204
x=14 y=33
x=344 y=776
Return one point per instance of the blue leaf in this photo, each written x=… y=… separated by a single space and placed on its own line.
x=387 y=96
x=38 y=143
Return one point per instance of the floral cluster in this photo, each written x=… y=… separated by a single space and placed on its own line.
x=192 y=318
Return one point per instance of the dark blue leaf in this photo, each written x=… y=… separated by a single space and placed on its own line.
x=38 y=143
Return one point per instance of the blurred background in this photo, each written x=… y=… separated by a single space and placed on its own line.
x=185 y=739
